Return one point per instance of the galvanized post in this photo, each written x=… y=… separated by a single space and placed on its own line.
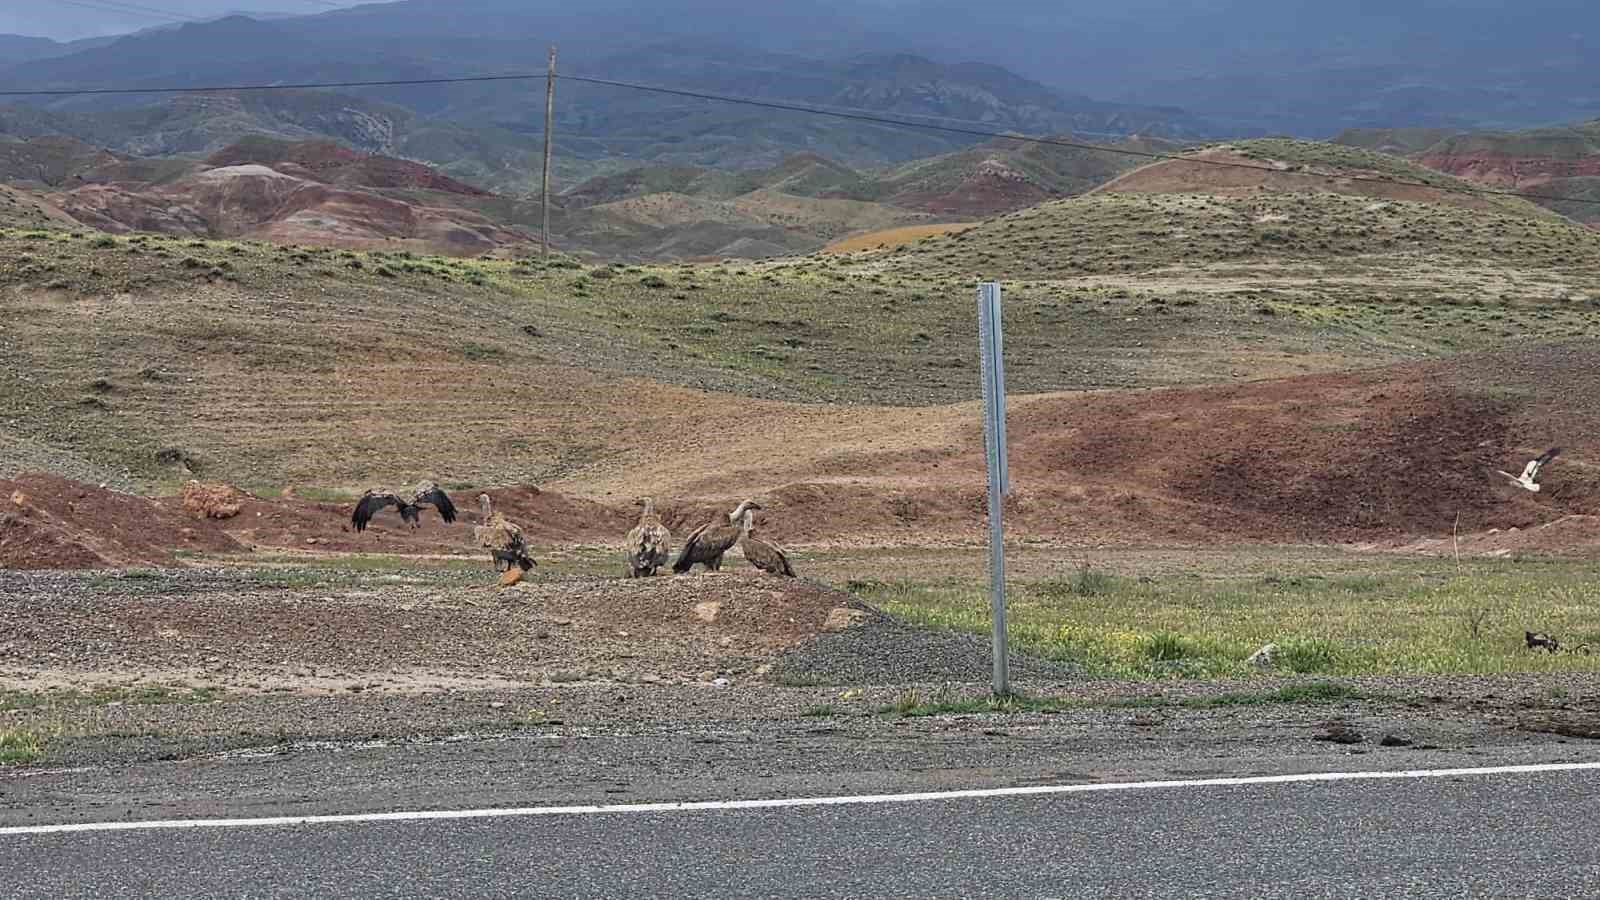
x=991 y=341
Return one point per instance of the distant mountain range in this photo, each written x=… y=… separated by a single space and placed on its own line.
x=644 y=173
x=1303 y=67
x=16 y=48
x=490 y=133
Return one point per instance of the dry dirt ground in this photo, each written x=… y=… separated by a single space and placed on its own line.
x=1402 y=456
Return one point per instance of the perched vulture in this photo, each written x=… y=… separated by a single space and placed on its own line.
x=766 y=556
x=425 y=494
x=649 y=543
x=1529 y=480
x=710 y=541
x=502 y=538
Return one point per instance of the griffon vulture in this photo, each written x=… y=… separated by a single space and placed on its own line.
x=766 y=556
x=410 y=506
x=649 y=543
x=710 y=541
x=502 y=538
x=1529 y=479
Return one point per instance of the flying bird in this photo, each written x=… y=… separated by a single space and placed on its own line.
x=649 y=543
x=764 y=555
x=1529 y=479
x=410 y=506
x=502 y=538
x=710 y=541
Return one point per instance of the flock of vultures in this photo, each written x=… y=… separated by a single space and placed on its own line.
x=649 y=544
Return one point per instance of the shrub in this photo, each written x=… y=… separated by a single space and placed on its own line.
x=1166 y=646
x=1307 y=657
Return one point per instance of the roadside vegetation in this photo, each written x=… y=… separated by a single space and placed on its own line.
x=1422 y=621
x=22 y=745
x=946 y=701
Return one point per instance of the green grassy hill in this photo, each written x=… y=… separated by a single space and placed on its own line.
x=1105 y=234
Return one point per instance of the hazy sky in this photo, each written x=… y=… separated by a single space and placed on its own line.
x=67 y=20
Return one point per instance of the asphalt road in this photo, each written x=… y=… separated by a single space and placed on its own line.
x=1501 y=835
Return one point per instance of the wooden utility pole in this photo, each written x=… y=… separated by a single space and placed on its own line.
x=549 y=124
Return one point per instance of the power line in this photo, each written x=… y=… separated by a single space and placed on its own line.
x=787 y=107
x=1119 y=135
x=231 y=88
x=131 y=9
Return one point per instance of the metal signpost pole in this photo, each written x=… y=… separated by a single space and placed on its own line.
x=991 y=340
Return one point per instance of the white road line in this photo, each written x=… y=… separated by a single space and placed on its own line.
x=858 y=800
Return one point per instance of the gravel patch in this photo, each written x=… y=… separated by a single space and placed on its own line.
x=882 y=649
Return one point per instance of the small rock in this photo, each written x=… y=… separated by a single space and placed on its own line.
x=497 y=704
x=1395 y=740
x=1340 y=733
x=722 y=682
x=650 y=679
x=1265 y=658
x=313 y=541
x=707 y=676
x=841 y=618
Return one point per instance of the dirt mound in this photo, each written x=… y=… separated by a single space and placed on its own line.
x=53 y=523
x=1319 y=458
x=1359 y=457
x=212 y=501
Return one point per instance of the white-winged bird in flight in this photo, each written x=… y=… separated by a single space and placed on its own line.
x=1529 y=479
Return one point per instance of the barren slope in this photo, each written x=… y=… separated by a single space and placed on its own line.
x=147 y=361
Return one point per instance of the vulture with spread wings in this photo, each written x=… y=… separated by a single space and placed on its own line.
x=410 y=505
x=1529 y=479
